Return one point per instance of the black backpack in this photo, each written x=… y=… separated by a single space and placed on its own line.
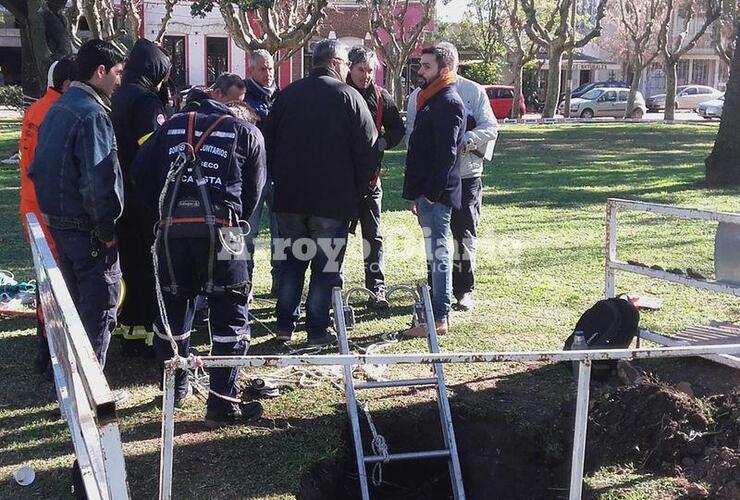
x=608 y=324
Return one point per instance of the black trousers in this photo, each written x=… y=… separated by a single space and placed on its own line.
x=372 y=240
x=464 y=225
x=135 y=242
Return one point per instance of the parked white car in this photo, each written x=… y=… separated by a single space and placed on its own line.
x=605 y=102
x=712 y=109
x=687 y=97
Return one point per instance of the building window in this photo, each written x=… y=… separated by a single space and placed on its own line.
x=308 y=58
x=176 y=49
x=217 y=58
x=682 y=72
x=700 y=72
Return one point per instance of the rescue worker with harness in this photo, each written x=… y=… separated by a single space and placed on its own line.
x=203 y=172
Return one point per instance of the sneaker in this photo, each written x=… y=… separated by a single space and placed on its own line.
x=466 y=302
x=182 y=396
x=379 y=302
x=120 y=396
x=324 y=338
x=241 y=413
x=283 y=336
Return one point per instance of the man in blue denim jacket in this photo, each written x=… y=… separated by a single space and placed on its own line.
x=80 y=189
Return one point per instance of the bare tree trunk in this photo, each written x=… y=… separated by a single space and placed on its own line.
x=723 y=164
x=393 y=84
x=634 y=85
x=555 y=59
x=518 y=71
x=670 y=90
x=44 y=38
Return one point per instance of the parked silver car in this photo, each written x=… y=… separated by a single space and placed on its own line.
x=712 y=109
x=605 y=102
x=687 y=97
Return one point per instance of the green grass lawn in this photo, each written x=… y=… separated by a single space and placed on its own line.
x=540 y=266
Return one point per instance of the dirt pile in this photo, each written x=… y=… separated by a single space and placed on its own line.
x=650 y=424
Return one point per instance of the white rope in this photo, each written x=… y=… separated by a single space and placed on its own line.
x=378 y=445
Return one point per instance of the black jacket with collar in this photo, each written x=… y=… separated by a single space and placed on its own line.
x=392 y=127
x=321 y=145
x=433 y=159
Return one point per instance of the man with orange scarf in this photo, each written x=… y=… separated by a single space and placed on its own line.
x=432 y=177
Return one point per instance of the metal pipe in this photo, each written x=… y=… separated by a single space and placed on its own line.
x=409 y=382
x=349 y=391
x=443 y=404
x=579 y=432
x=714 y=286
x=686 y=213
x=466 y=357
x=168 y=431
x=396 y=457
x=611 y=248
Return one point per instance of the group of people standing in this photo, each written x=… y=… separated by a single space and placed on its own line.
x=117 y=171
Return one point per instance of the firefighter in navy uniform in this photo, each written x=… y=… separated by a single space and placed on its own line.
x=137 y=111
x=203 y=171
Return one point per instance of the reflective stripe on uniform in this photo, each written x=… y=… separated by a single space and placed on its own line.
x=144 y=138
x=230 y=339
x=176 y=337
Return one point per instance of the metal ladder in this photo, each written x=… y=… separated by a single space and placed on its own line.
x=422 y=310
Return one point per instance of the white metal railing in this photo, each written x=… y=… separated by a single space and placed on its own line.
x=613 y=264
x=583 y=357
x=85 y=400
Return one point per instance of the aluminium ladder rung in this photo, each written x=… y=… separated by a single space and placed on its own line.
x=414 y=455
x=409 y=382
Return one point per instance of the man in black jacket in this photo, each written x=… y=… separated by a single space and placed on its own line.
x=261 y=93
x=432 y=177
x=137 y=112
x=321 y=155
x=389 y=125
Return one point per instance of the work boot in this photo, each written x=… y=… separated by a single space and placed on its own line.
x=233 y=414
x=282 y=336
x=326 y=337
x=421 y=330
x=379 y=302
x=466 y=302
x=182 y=396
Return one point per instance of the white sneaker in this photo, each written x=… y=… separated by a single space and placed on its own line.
x=466 y=302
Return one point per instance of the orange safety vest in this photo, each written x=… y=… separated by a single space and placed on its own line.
x=32 y=119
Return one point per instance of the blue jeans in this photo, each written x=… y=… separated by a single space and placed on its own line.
x=434 y=219
x=254 y=224
x=308 y=237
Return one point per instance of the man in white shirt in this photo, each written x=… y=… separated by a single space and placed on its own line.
x=480 y=139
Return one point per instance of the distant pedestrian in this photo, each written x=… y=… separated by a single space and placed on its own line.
x=321 y=154
x=390 y=128
x=432 y=178
x=79 y=187
x=480 y=139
